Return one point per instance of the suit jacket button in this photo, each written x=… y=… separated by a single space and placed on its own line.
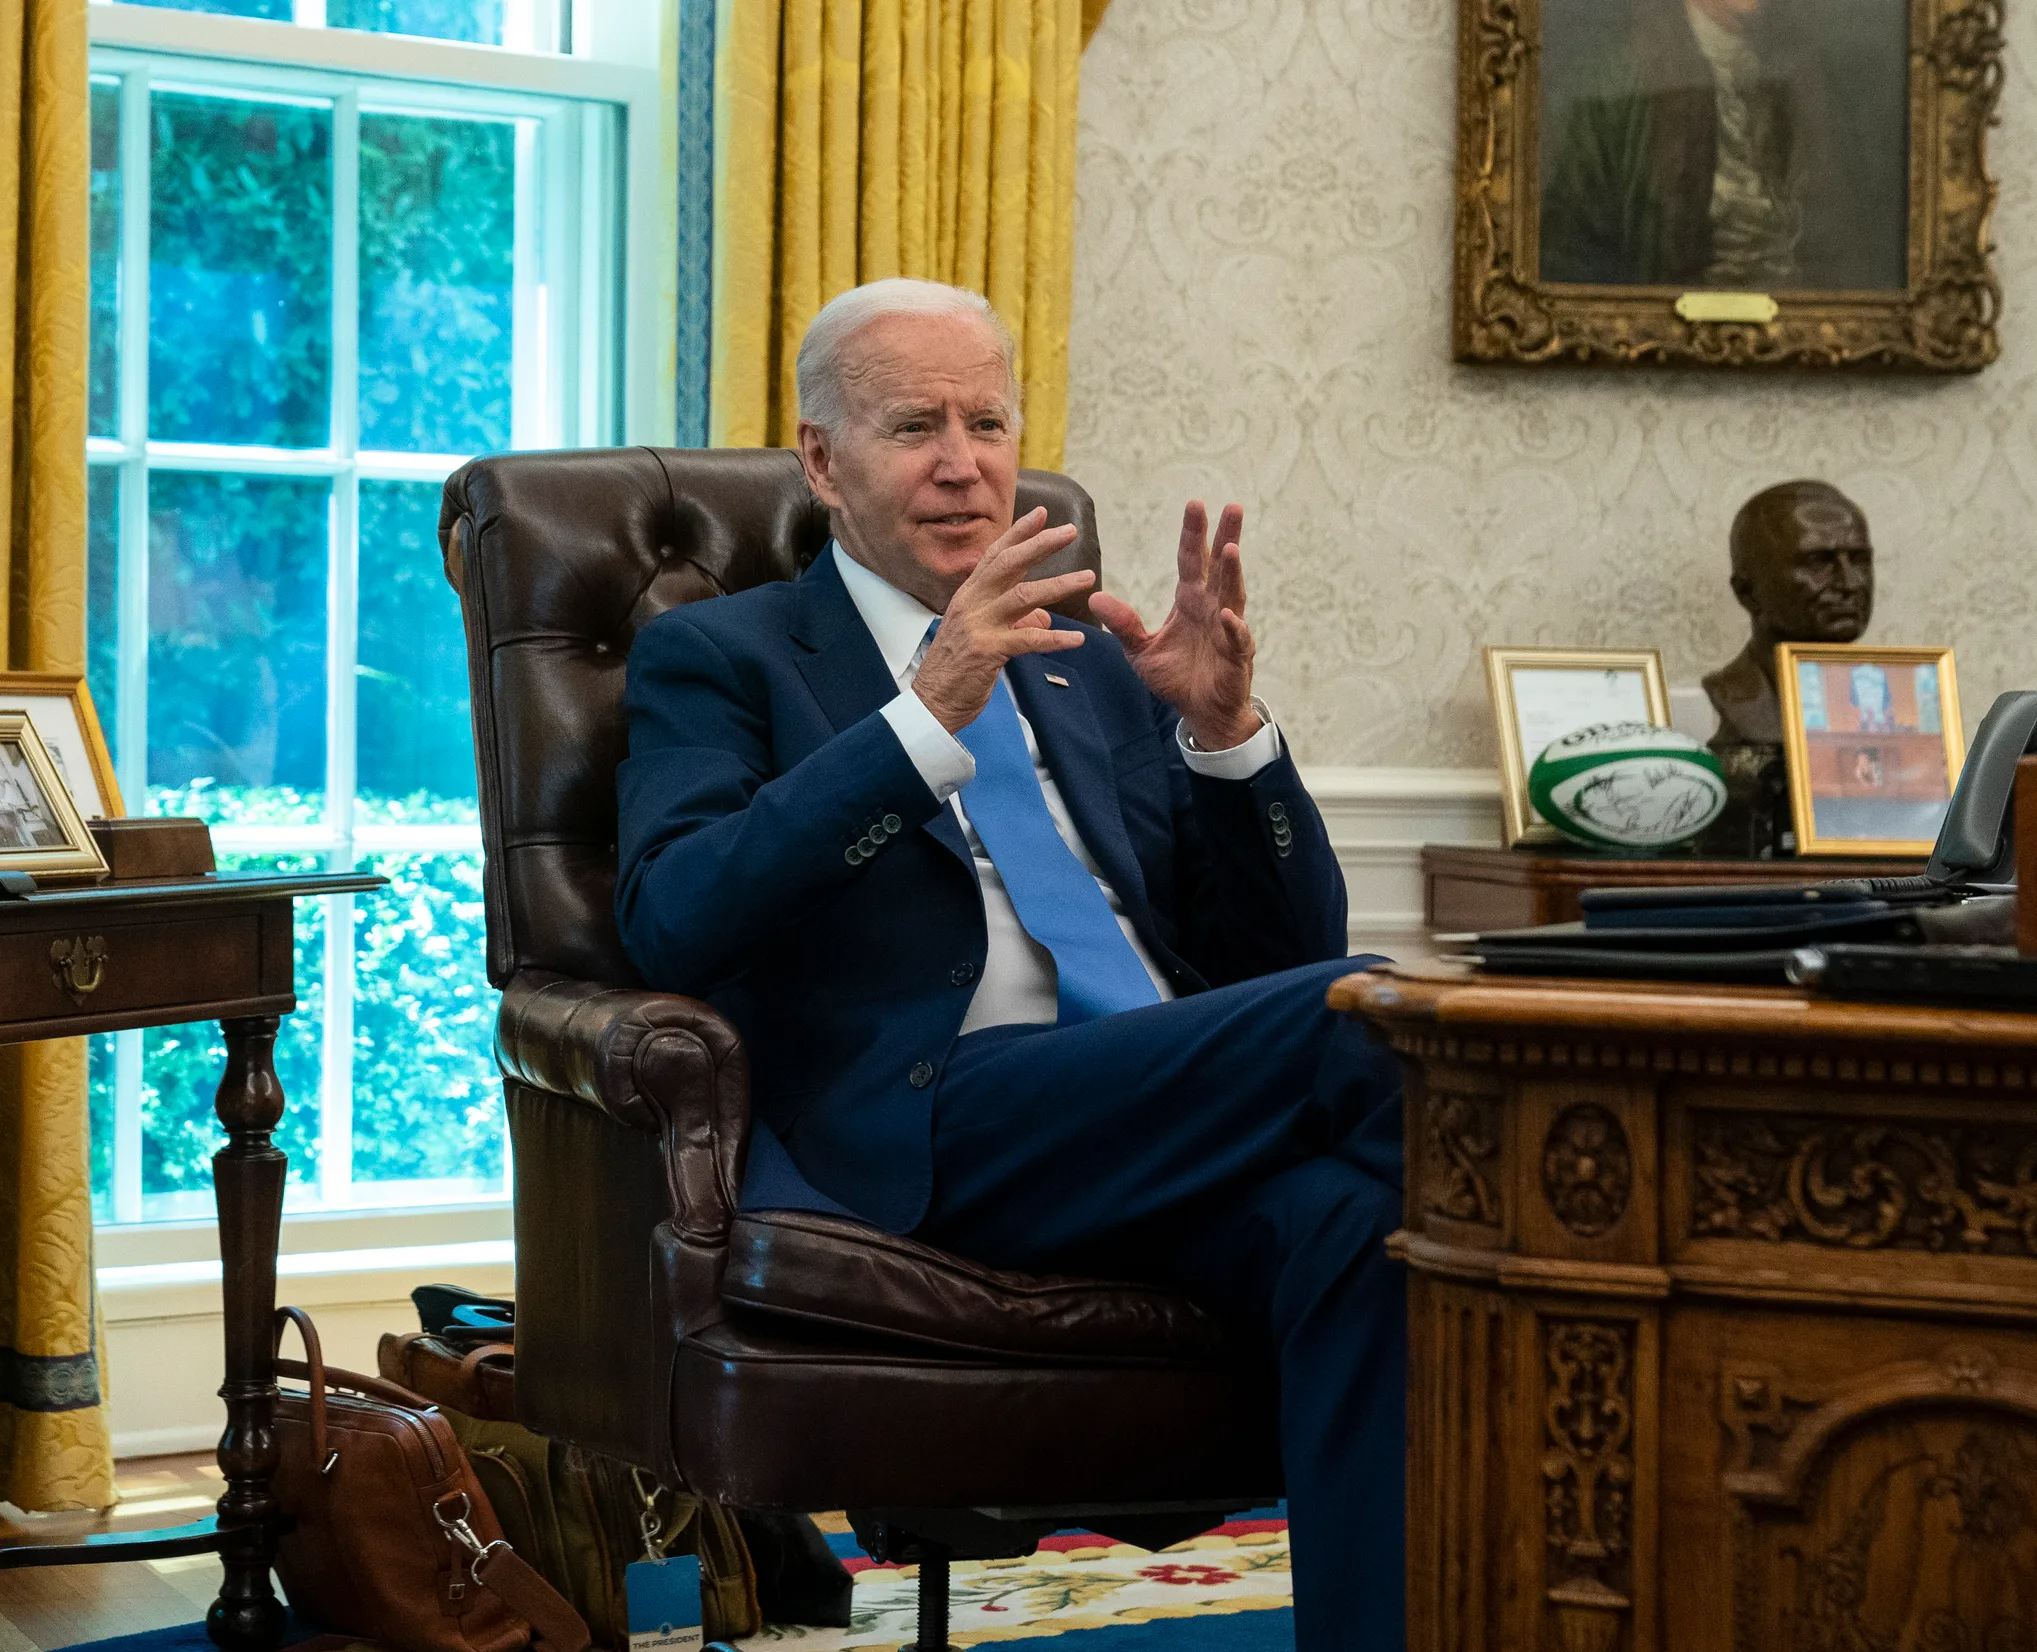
x=893 y=824
x=868 y=845
x=854 y=856
x=1277 y=813
x=962 y=974
x=921 y=1076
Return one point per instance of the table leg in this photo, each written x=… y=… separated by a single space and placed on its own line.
x=247 y=1182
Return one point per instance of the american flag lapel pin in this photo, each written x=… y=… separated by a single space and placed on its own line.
x=1058 y=682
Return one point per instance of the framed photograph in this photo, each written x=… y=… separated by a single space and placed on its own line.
x=1736 y=183
x=41 y=831
x=1541 y=694
x=62 y=711
x=1874 y=745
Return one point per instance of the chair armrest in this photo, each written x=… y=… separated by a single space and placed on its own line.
x=652 y=1060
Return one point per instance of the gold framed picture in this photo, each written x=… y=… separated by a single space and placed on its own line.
x=61 y=708
x=1874 y=745
x=1541 y=694
x=1727 y=183
x=41 y=831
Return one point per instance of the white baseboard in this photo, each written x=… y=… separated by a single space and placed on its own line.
x=1378 y=820
x=164 y=1332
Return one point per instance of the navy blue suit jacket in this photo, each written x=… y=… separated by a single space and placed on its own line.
x=758 y=759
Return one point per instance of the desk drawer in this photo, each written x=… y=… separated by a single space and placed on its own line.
x=84 y=972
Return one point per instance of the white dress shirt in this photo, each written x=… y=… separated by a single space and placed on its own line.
x=1018 y=984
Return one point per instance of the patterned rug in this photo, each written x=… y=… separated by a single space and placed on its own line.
x=1226 y=1591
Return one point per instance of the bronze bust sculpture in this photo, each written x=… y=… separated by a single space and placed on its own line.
x=1803 y=568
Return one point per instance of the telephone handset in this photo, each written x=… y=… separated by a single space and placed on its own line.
x=1977 y=843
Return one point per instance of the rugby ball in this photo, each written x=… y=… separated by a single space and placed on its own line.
x=1627 y=786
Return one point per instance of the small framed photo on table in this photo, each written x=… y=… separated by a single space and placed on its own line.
x=1541 y=694
x=61 y=708
x=1874 y=745
x=41 y=831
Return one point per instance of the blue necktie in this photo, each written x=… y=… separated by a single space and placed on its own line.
x=1059 y=902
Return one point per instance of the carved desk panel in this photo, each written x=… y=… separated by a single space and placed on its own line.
x=1723 y=1318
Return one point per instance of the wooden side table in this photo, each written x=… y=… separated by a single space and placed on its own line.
x=113 y=956
x=1723 y=1317
x=1478 y=889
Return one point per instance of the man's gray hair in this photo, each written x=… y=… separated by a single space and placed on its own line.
x=823 y=387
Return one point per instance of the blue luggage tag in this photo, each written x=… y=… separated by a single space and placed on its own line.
x=664 y=1604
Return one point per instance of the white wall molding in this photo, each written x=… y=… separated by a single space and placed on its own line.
x=164 y=1333
x=1378 y=820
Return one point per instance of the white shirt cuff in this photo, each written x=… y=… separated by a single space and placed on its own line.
x=943 y=761
x=1240 y=762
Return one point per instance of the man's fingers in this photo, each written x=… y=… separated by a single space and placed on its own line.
x=1227 y=576
x=1045 y=642
x=1010 y=560
x=1237 y=633
x=1044 y=593
x=1192 y=558
x=1120 y=619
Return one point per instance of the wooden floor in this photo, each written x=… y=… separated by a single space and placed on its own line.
x=44 y=1607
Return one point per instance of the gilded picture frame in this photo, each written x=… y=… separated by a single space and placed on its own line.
x=60 y=706
x=1874 y=744
x=41 y=831
x=1534 y=690
x=1933 y=310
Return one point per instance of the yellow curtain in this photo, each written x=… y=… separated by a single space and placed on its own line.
x=54 y=1448
x=858 y=139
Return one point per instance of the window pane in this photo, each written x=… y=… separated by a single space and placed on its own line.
x=427 y=1101
x=104 y=367
x=476 y=20
x=237 y=616
x=181 y=1068
x=102 y=600
x=416 y=746
x=438 y=232
x=99 y=1102
x=240 y=271
x=276 y=11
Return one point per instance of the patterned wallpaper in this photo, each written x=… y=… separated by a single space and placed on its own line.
x=1262 y=313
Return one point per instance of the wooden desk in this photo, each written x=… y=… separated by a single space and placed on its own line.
x=112 y=956
x=1723 y=1314
x=1476 y=889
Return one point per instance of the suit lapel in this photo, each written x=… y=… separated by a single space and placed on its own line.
x=1064 y=722
x=845 y=670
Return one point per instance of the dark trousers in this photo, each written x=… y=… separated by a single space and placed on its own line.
x=1243 y=1145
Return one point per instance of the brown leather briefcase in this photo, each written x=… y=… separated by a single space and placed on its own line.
x=389 y=1536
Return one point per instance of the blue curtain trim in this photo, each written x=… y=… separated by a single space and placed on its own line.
x=696 y=214
x=49 y=1382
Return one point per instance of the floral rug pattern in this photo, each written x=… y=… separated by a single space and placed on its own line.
x=1073 y=1583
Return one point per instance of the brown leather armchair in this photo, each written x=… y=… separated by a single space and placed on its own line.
x=772 y=1360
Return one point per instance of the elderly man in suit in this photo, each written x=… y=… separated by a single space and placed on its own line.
x=1027 y=924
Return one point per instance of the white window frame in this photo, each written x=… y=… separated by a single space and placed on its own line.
x=598 y=119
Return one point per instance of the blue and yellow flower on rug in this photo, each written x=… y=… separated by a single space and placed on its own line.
x=1226 y=1591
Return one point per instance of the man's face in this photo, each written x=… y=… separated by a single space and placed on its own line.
x=1813 y=574
x=1736 y=16
x=923 y=475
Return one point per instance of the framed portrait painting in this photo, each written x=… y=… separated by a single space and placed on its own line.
x=1874 y=745
x=1541 y=694
x=1788 y=183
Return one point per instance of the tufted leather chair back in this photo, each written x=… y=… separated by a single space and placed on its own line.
x=560 y=559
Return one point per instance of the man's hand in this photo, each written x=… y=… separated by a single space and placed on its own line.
x=1200 y=661
x=995 y=614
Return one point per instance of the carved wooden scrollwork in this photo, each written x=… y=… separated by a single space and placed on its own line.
x=1588 y=1467
x=1943 y=321
x=1461 y=1158
x=1963 y=1188
x=1587 y=1170
x=1898 y=1510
